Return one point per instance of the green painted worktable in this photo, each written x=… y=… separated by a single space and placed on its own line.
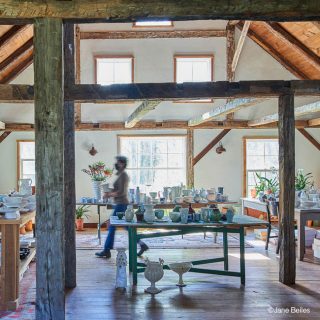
x=237 y=226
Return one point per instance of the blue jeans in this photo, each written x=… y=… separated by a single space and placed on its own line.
x=112 y=230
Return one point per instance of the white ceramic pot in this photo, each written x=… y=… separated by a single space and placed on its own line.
x=153 y=273
x=129 y=214
x=96 y=187
x=149 y=215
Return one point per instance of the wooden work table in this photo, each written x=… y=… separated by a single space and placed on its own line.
x=11 y=267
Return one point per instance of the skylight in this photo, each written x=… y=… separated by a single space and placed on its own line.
x=153 y=23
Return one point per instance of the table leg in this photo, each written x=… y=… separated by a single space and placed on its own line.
x=10 y=267
x=215 y=234
x=225 y=250
x=99 y=224
x=130 y=248
x=242 y=257
x=134 y=256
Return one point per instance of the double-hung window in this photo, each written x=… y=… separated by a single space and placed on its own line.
x=193 y=69
x=261 y=155
x=155 y=161
x=114 y=69
x=26 y=160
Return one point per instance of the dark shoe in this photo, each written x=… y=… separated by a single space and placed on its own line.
x=143 y=248
x=102 y=254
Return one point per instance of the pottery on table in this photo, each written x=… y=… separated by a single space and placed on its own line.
x=174 y=216
x=159 y=213
x=205 y=214
x=230 y=215
x=180 y=268
x=175 y=193
x=153 y=273
x=197 y=198
x=188 y=199
x=25 y=186
x=13 y=201
x=307 y=204
x=184 y=213
x=179 y=200
x=215 y=215
x=211 y=197
x=149 y=215
x=120 y=215
x=153 y=195
x=129 y=214
x=187 y=192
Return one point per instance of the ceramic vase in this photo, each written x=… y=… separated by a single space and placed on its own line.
x=25 y=187
x=149 y=215
x=153 y=273
x=129 y=214
x=121 y=275
x=230 y=215
x=96 y=187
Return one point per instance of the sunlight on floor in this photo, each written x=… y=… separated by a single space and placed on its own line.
x=250 y=256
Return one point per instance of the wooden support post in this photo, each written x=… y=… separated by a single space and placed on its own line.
x=49 y=133
x=4 y=135
x=78 y=74
x=69 y=160
x=309 y=137
x=190 y=152
x=216 y=140
x=287 y=268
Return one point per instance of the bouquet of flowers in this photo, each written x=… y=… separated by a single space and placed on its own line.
x=98 y=171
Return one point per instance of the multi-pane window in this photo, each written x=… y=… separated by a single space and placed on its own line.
x=193 y=69
x=262 y=157
x=114 y=70
x=26 y=160
x=155 y=161
x=154 y=23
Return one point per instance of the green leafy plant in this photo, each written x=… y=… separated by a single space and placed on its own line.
x=98 y=171
x=303 y=181
x=265 y=184
x=81 y=212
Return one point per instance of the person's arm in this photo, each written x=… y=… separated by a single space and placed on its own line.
x=123 y=186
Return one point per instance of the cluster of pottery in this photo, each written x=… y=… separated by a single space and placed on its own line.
x=205 y=215
x=12 y=206
x=154 y=273
x=144 y=213
x=307 y=200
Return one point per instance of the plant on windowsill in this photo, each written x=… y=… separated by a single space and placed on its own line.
x=81 y=212
x=303 y=181
x=98 y=173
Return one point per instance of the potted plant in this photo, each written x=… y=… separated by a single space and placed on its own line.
x=81 y=212
x=98 y=173
x=303 y=181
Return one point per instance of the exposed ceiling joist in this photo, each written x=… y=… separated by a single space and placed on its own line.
x=314 y=122
x=229 y=107
x=124 y=10
x=138 y=114
x=4 y=135
x=154 y=34
x=274 y=53
x=93 y=93
x=310 y=138
x=2 y=125
x=240 y=44
x=167 y=124
x=278 y=31
x=299 y=111
x=11 y=33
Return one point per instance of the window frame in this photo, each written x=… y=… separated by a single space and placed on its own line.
x=244 y=143
x=107 y=56
x=19 y=159
x=188 y=169
x=175 y=57
x=134 y=25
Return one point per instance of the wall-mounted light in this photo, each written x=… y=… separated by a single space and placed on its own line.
x=220 y=149
x=93 y=151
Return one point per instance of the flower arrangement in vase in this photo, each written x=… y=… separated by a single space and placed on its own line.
x=98 y=173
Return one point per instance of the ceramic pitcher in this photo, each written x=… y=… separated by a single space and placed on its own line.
x=25 y=186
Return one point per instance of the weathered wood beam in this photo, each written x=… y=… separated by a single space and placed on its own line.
x=278 y=31
x=299 y=111
x=169 y=91
x=230 y=55
x=154 y=34
x=144 y=108
x=314 y=122
x=69 y=160
x=231 y=106
x=167 y=124
x=77 y=106
x=240 y=44
x=124 y=10
x=287 y=263
x=4 y=135
x=49 y=138
x=216 y=140
x=309 y=137
x=25 y=47
x=274 y=53
x=190 y=155
x=2 y=125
